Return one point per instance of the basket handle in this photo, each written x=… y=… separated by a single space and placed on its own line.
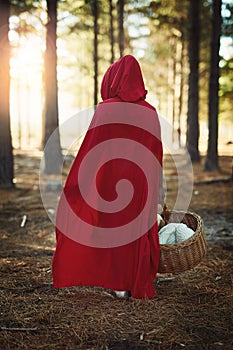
x=165 y=214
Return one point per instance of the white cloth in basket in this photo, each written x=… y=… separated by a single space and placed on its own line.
x=174 y=233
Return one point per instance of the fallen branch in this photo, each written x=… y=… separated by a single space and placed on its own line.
x=23 y=222
x=213 y=180
x=17 y=329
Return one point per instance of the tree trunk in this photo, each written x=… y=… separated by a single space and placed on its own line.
x=193 y=94
x=181 y=87
x=174 y=72
x=120 y=10
x=53 y=155
x=211 y=161
x=6 y=153
x=95 y=53
x=111 y=31
x=170 y=79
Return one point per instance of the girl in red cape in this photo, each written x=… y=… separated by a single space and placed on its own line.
x=130 y=264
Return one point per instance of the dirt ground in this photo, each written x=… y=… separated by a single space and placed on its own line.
x=191 y=310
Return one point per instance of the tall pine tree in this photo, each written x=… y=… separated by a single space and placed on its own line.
x=6 y=153
x=193 y=93
x=211 y=161
x=53 y=155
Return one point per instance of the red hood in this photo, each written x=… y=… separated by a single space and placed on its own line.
x=123 y=79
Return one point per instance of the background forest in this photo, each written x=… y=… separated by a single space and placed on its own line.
x=59 y=51
x=53 y=55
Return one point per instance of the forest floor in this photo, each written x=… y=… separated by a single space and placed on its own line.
x=191 y=310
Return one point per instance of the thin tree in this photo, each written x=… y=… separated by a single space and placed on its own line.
x=211 y=161
x=95 y=12
x=120 y=11
x=53 y=155
x=181 y=87
x=6 y=152
x=111 y=31
x=193 y=93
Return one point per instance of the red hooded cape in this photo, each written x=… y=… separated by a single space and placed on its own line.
x=131 y=266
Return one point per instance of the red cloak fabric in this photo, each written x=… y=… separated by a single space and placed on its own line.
x=131 y=266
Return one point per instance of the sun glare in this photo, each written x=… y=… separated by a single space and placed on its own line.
x=26 y=71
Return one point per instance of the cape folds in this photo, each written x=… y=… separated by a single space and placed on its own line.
x=133 y=265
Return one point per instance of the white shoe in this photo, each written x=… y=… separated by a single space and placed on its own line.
x=123 y=294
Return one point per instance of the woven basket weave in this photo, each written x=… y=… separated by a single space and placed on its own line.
x=183 y=256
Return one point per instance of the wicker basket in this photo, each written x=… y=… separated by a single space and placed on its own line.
x=183 y=256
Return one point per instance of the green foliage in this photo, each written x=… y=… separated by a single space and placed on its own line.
x=227 y=13
x=19 y=6
x=153 y=32
x=226 y=89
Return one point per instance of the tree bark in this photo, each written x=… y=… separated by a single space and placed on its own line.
x=193 y=93
x=111 y=31
x=181 y=88
x=53 y=155
x=211 y=161
x=95 y=52
x=174 y=73
x=6 y=152
x=120 y=10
